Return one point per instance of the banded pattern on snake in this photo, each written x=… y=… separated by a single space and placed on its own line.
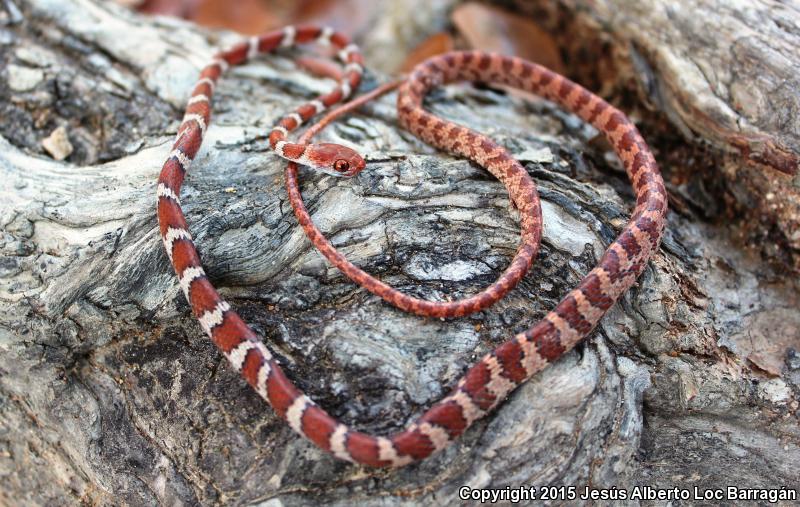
x=499 y=372
x=507 y=169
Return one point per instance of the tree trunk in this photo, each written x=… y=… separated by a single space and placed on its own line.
x=111 y=393
x=715 y=85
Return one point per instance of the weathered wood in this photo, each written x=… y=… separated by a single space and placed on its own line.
x=110 y=393
x=705 y=74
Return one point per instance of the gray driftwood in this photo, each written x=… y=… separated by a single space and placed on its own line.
x=717 y=81
x=110 y=393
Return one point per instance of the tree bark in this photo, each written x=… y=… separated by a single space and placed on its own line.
x=110 y=392
x=715 y=87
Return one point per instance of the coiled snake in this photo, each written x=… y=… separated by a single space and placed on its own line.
x=499 y=372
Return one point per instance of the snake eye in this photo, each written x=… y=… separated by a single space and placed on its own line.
x=341 y=166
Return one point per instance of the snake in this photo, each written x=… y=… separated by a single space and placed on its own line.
x=499 y=372
x=524 y=198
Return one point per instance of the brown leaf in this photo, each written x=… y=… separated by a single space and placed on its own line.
x=347 y=16
x=244 y=16
x=130 y=4
x=769 y=364
x=493 y=29
x=179 y=8
x=434 y=45
x=259 y=16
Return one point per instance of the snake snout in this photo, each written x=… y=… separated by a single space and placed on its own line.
x=356 y=166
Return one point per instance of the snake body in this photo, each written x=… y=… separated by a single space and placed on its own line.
x=500 y=371
x=520 y=187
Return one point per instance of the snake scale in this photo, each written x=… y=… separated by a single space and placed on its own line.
x=499 y=372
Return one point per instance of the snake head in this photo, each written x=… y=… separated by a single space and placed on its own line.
x=335 y=159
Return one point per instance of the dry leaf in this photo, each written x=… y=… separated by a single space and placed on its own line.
x=493 y=29
x=244 y=16
x=130 y=4
x=348 y=16
x=258 y=16
x=179 y=8
x=434 y=45
x=769 y=364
